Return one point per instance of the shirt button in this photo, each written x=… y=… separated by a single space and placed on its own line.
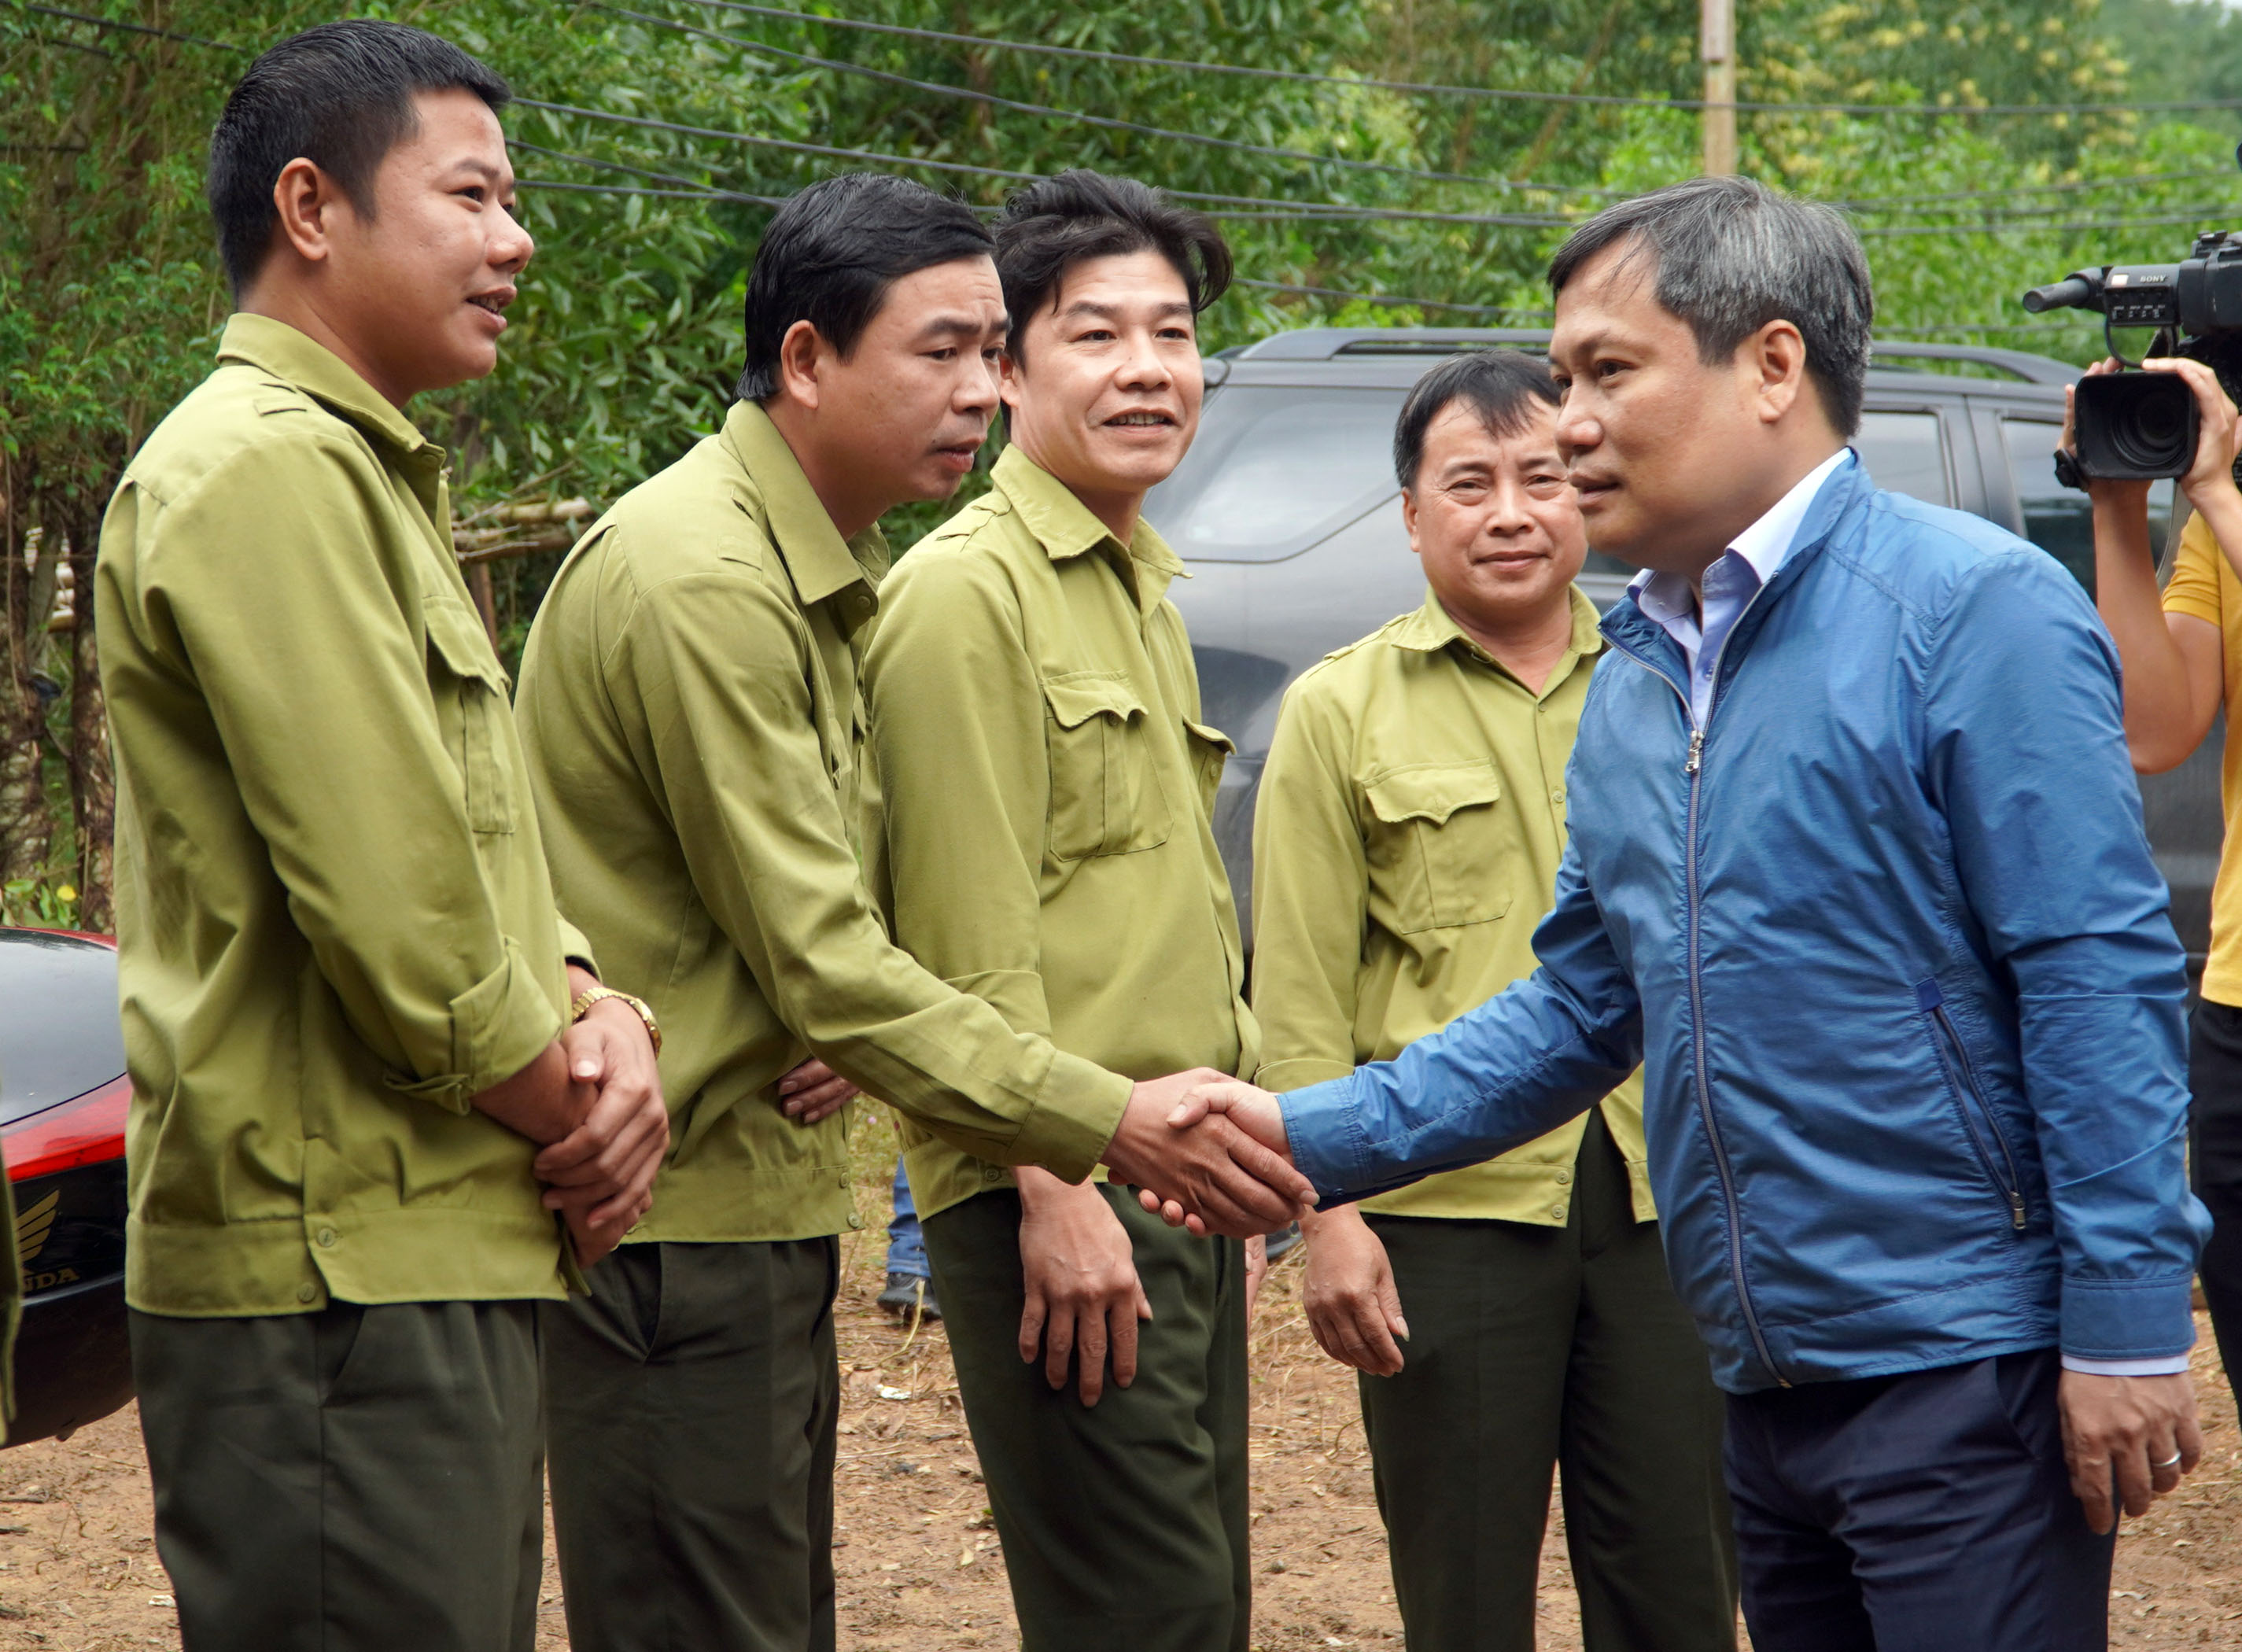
x=307 y=1293
x=1557 y=1210
x=1564 y=1179
x=855 y=1220
x=326 y=1238
x=991 y=1173
x=1556 y=794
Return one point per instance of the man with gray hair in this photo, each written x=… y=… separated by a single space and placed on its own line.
x=1856 y=870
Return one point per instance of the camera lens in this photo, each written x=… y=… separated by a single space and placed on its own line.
x=2136 y=425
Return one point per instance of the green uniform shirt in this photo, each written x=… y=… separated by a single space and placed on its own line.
x=690 y=707
x=1405 y=846
x=1046 y=782
x=334 y=922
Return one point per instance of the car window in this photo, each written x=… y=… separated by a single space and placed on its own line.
x=2058 y=519
x=1275 y=470
x=1905 y=452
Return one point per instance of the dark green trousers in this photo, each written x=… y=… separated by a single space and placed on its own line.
x=356 y=1478
x=1531 y=1347
x=1125 y=1524
x=693 y=1399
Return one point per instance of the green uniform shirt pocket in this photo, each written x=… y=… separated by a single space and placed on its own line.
x=1105 y=793
x=1436 y=846
x=469 y=686
x=1210 y=749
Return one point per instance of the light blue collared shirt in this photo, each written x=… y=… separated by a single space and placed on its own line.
x=1729 y=585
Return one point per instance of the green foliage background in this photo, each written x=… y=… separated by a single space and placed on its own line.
x=624 y=342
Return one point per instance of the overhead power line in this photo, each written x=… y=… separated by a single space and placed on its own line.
x=1275 y=205
x=2072 y=186
x=115 y=26
x=2027 y=228
x=1433 y=88
x=1236 y=146
x=1249 y=210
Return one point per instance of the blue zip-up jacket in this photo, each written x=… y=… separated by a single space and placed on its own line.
x=1888 y=937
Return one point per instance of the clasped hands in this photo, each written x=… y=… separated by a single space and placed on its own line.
x=592 y=1102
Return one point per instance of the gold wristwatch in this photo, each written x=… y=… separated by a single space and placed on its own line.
x=591 y=996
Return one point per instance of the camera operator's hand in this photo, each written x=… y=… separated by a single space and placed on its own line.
x=2132 y=497
x=2213 y=468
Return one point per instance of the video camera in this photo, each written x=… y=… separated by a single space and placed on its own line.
x=2135 y=426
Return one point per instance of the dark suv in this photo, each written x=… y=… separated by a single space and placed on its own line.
x=1289 y=516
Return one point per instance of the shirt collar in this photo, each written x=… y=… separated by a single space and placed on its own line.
x=1063 y=525
x=1432 y=628
x=818 y=560
x=1763 y=547
x=299 y=359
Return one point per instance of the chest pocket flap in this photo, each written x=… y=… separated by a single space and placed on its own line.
x=1105 y=793
x=469 y=688
x=1438 y=846
x=1433 y=794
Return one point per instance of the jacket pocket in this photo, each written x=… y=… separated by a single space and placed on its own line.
x=1105 y=793
x=1210 y=749
x=1436 y=846
x=1991 y=1147
x=469 y=688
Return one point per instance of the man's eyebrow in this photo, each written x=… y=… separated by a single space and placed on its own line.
x=1112 y=312
x=943 y=325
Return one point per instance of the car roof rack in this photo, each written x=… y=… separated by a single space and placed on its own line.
x=1328 y=344
x=2032 y=369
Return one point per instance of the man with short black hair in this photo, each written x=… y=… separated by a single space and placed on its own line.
x=1856 y=863
x=347 y=995
x=1406 y=841
x=1046 y=782
x=689 y=702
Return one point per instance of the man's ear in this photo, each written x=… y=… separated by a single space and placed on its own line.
x=1775 y=356
x=308 y=202
x=1008 y=378
x=1409 y=518
x=798 y=355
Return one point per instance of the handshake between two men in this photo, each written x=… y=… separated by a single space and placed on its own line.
x=1208 y=1153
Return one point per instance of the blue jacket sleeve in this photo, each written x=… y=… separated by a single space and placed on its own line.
x=2025 y=748
x=1496 y=1078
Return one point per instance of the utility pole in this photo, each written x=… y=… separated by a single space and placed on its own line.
x=1717 y=45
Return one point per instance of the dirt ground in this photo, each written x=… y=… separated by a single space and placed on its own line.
x=918 y=1564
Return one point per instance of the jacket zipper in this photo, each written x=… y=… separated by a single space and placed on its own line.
x=1973 y=1105
x=1693 y=766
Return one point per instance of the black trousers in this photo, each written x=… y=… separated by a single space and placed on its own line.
x=1124 y=1524
x=356 y=1479
x=693 y=1402
x=1916 y=1514
x=1531 y=1347
x=2214 y=1143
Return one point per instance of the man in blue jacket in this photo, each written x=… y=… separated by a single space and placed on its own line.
x=1857 y=870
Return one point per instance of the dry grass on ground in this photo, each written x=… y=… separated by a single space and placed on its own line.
x=918 y=1565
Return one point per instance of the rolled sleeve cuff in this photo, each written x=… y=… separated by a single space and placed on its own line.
x=2126 y=1321
x=577 y=949
x=1075 y=1116
x=2174 y=1367
x=1323 y=1127
x=499 y=1026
